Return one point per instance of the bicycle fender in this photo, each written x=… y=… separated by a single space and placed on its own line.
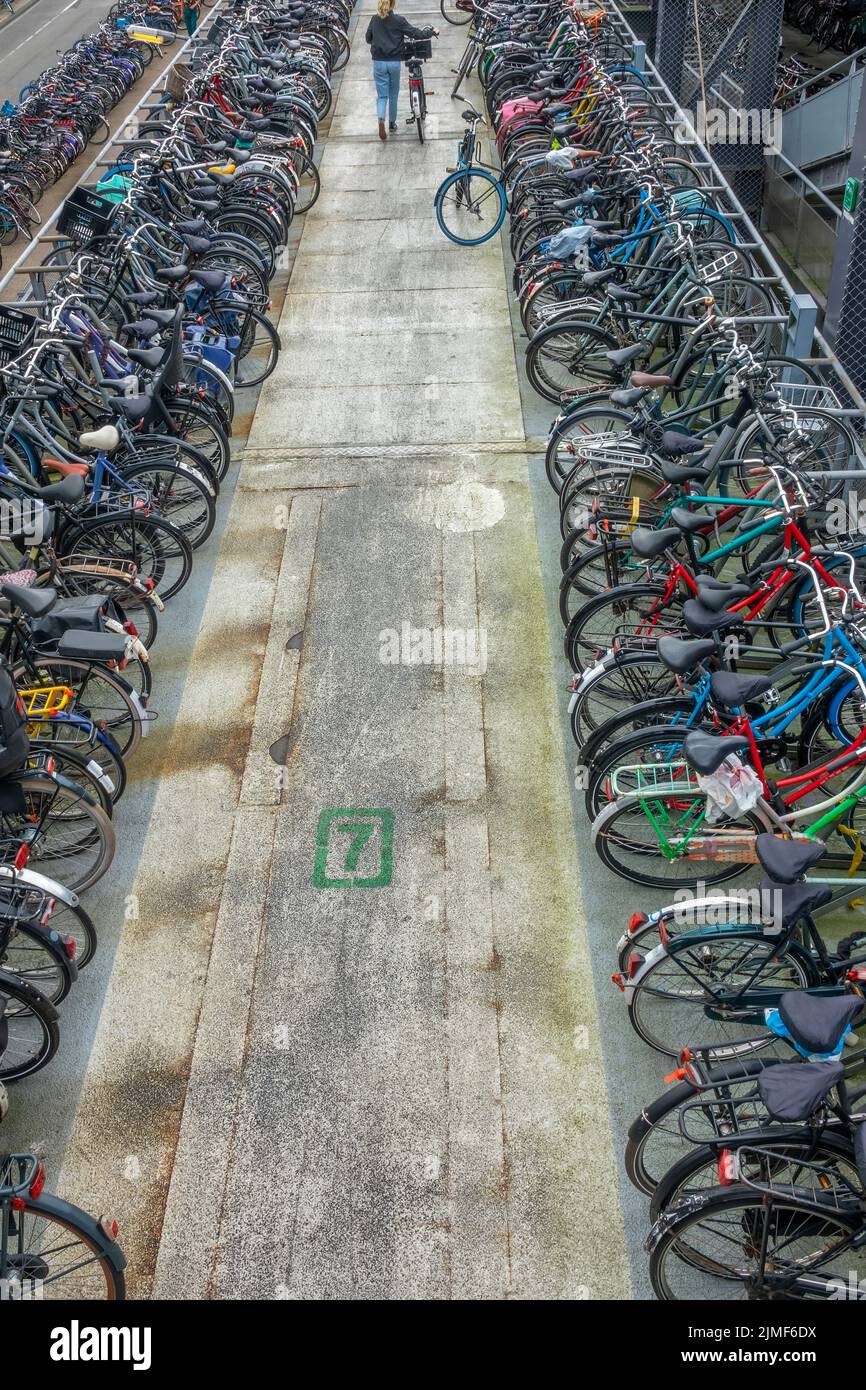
x=55 y=1206
x=62 y=781
x=49 y=886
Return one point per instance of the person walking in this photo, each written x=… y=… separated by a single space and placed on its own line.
x=385 y=34
x=190 y=15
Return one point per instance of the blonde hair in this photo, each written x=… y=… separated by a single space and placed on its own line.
x=384 y=8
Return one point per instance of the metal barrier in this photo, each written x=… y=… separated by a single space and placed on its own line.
x=27 y=263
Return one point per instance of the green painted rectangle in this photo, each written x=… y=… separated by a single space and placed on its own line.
x=353 y=829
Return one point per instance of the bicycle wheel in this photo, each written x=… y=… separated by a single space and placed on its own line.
x=781 y=1161
x=31 y=1027
x=23 y=898
x=671 y=1001
x=179 y=494
x=70 y=839
x=158 y=550
x=457 y=11
x=41 y=963
x=723 y=1248
x=628 y=843
x=46 y=1243
x=259 y=349
x=101 y=696
x=633 y=611
x=570 y=356
x=470 y=206
x=728 y=1101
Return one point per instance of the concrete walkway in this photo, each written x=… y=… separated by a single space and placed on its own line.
x=350 y=1045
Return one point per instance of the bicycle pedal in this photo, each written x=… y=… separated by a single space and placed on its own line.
x=410 y=120
x=452 y=169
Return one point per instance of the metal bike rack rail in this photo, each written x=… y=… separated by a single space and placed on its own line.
x=45 y=238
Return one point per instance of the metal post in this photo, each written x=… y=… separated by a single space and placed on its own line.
x=800 y=333
x=638 y=62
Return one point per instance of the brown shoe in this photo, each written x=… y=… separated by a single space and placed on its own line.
x=382 y=132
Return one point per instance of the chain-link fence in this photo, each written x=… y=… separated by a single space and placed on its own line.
x=718 y=57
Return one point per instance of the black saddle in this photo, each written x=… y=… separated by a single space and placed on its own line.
x=677 y=445
x=707 y=752
x=817 y=1021
x=734 y=691
x=34 y=602
x=209 y=279
x=715 y=594
x=648 y=545
x=786 y=861
x=680 y=656
x=703 y=622
x=792 y=1091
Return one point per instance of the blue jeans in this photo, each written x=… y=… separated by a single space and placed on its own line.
x=387 y=77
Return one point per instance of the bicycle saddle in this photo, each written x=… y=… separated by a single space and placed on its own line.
x=649 y=381
x=198 y=245
x=707 y=752
x=691 y=522
x=734 y=691
x=34 y=602
x=161 y=316
x=566 y=204
x=675 y=473
x=172 y=273
x=629 y=398
x=195 y=225
x=140 y=328
x=148 y=357
x=793 y=1090
x=106 y=439
x=206 y=204
x=94 y=646
x=716 y=593
x=67 y=490
x=648 y=545
x=143 y=297
x=209 y=279
x=599 y=277
x=620 y=357
x=581 y=175
x=677 y=445
x=817 y=1021
x=681 y=657
x=791 y=900
x=621 y=294
x=132 y=408
x=785 y=861
x=703 y=622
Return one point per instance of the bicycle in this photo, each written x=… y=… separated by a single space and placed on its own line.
x=50 y=1248
x=415 y=53
x=472 y=192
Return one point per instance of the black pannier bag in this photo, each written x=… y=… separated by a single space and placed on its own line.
x=14 y=742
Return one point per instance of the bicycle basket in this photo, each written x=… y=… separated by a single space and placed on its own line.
x=16 y=328
x=417 y=48
x=85 y=215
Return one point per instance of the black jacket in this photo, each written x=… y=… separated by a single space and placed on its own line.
x=385 y=36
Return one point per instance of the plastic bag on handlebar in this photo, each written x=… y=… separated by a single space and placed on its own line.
x=569 y=241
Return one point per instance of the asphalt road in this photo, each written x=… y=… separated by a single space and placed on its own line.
x=31 y=41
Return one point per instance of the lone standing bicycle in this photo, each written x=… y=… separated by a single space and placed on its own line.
x=386 y=33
